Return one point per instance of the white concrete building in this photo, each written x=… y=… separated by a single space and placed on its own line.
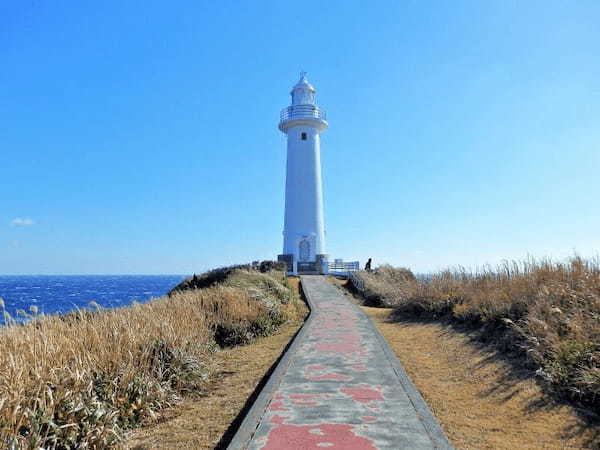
x=304 y=227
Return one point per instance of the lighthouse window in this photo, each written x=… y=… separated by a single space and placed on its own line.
x=303 y=136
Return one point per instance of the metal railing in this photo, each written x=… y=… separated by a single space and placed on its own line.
x=298 y=112
x=344 y=266
x=358 y=284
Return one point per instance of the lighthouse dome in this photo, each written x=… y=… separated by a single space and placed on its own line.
x=303 y=93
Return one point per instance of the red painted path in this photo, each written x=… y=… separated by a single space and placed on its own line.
x=341 y=388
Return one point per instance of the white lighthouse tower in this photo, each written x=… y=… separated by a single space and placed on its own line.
x=304 y=229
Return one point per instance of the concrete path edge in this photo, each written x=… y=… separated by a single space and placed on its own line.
x=248 y=427
x=435 y=431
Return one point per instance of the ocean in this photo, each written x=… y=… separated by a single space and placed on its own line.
x=63 y=293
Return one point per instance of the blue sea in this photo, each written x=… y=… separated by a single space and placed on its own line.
x=63 y=293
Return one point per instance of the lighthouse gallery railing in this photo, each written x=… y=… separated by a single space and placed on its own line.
x=302 y=112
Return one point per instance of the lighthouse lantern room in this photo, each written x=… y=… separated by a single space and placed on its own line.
x=304 y=229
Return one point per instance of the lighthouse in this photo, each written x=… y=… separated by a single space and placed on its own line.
x=304 y=228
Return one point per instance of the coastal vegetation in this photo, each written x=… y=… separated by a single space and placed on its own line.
x=82 y=379
x=544 y=313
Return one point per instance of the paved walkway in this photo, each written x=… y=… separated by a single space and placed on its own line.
x=339 y=386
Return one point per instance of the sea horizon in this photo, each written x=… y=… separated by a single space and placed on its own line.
x=61 y=294
x=92 y=274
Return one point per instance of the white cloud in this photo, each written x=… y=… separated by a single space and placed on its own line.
x=21 y=222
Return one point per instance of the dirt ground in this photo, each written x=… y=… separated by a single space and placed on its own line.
x=201 y=423
x=481 y=401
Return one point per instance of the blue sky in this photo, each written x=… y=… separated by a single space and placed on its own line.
x=141 y=137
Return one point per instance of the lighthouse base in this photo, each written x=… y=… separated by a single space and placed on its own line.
x=288 y=260
x=318 y=267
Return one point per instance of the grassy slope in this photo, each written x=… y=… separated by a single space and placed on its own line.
x=86 y=377
x=204 y=422
x=547 y=313
x=509 y=337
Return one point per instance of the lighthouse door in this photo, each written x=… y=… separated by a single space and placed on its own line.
x=304 y=248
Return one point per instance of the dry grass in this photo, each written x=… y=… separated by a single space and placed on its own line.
x=83 y=378
x=201 y=423
x=476 y=394
x=548 y=312
x=294 y=284
x=210 y=420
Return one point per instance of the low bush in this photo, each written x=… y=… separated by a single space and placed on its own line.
x=219 y=275
x=549 y=312
x=388 y=286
